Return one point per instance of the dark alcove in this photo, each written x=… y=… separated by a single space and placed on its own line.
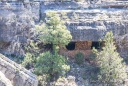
x=71 y=46
x=96 y=44
x=45 y=46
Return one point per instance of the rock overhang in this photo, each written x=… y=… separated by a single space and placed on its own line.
x=92 y=24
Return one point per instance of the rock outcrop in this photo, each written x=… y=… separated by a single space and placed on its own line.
x=87 y=21
x=17 y=21
x=12 y=74
x=4 y=81
x=90 y=22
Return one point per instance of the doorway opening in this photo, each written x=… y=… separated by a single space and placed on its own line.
x=71 y=46
x=96 y=45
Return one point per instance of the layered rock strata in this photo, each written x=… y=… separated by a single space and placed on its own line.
x=12 y=74
x=87 y=21
x=4 y=81
x=91 y=22
x=17 y=23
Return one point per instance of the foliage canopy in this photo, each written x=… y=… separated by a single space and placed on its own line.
x=54 y=31
x=51 y=64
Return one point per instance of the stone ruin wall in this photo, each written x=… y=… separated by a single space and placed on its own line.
x=119 y=30
x=86 y=48
x=83 y=46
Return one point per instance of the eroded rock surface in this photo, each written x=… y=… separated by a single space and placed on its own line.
x=17 y=22
x=87 y=21
x=4 y=81
x=12 y=74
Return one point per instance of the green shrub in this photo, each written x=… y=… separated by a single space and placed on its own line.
x=51 y=64
x=42 y=80
x=79 y=58
x=32 y=51
x=28 y=60
x=92 y=57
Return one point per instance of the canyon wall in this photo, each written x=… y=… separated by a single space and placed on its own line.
x=87 y=21
x=90 y=22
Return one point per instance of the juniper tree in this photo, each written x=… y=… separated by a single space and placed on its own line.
x=112 y=67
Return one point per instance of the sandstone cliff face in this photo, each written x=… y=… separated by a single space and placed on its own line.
x=4 y=81
x=12 y=74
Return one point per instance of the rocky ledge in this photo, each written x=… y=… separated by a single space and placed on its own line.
x=12 y=74
x=86 y=21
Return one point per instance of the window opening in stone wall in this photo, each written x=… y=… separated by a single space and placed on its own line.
x=71 y=46
x=96 y=44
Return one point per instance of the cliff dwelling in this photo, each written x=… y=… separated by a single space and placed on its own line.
x=87 y=22
x=83 y=46
x=84 y=24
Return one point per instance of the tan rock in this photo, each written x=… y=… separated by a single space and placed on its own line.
x=15 y=74
x=4 y=81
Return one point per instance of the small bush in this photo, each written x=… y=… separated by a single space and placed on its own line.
x=92 y=57
x=42 y=80
x=79 y=58
x=28 y=60
x=32 y=51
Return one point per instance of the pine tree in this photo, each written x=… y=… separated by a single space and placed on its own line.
x=51 y=65
x=54 y=31
x=112 y=67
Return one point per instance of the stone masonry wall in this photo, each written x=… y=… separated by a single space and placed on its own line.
x=84 y=47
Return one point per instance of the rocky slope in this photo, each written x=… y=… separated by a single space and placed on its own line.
x=17 y=23
x=12 y=74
